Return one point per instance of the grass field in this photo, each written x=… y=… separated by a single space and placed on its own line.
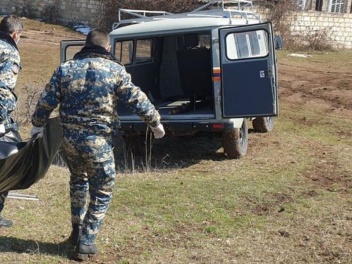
x=288 y=201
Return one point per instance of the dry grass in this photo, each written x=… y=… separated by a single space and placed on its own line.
x=288 y=201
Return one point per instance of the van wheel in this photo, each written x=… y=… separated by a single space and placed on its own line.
x=263 y=124
x=235 y=142
x=136 y=144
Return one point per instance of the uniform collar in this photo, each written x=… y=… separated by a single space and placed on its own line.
x=7 y=38
x=93 y=51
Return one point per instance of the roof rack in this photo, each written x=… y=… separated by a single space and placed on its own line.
x=236 y=4
x=138 y=16
x=214 y=8
x=140 y=13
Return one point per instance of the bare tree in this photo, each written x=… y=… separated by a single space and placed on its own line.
x=110 y=7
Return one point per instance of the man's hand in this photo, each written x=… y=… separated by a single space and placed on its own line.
x=2 y=129
x=37 y=130
x=158 y=131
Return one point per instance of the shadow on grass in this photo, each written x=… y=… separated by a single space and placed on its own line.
x=20 y=246
x=170 y=153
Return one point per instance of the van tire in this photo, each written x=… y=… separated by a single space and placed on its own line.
x=235 y=142
x=263 y=124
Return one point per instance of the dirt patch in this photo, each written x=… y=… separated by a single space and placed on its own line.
x=320 y=87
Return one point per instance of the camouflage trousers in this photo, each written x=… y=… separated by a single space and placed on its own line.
x=91 y=163
x=7 y=105
x=3 y=196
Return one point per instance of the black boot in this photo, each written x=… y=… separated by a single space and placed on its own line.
x=83 y=252
x=5 y=223
x=76 y=232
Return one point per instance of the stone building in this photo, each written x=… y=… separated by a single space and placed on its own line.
x=331 y=16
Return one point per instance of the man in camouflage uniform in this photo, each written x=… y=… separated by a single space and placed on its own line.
x=10 y=31
x=88 y=89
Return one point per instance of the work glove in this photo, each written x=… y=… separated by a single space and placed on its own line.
x=158 y=131
x=37 y=130
x=2 y=129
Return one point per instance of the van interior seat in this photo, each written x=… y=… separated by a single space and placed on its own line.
x=195 y=69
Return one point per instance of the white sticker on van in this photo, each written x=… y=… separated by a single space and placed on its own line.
x=262 y=74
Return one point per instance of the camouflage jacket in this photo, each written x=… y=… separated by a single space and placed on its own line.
x=9 y=67
x=88 y=89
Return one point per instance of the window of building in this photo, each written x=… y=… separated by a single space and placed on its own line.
x=336 y=6
x=319 y=5
x=301 y=4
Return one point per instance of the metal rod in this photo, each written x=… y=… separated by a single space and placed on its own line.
x=21 y=196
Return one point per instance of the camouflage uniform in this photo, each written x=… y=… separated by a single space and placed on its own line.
x=88 y=89
x=9 y=67
x=3 y=196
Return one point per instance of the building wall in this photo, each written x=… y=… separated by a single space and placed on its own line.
x=337 y=26
x=74 y=11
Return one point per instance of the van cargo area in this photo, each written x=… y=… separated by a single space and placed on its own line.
x=176 y=110
x=175 y=73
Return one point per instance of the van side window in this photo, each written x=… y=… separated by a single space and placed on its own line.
x=204 y=41
x=143 y=50
x=244 y=45
x=123 y=51
x=70 y=51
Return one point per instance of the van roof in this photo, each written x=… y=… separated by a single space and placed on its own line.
x=212 y=14
x=180 y=24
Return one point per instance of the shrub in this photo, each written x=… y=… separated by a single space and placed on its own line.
x=51 y=13
x=318 y=40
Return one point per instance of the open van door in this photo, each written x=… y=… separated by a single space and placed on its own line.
x=68 y=48
x=248 y=71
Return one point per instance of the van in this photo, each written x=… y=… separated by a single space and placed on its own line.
x=210 y=70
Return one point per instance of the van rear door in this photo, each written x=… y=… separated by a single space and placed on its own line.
x=248 y=71
x=68 y=48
